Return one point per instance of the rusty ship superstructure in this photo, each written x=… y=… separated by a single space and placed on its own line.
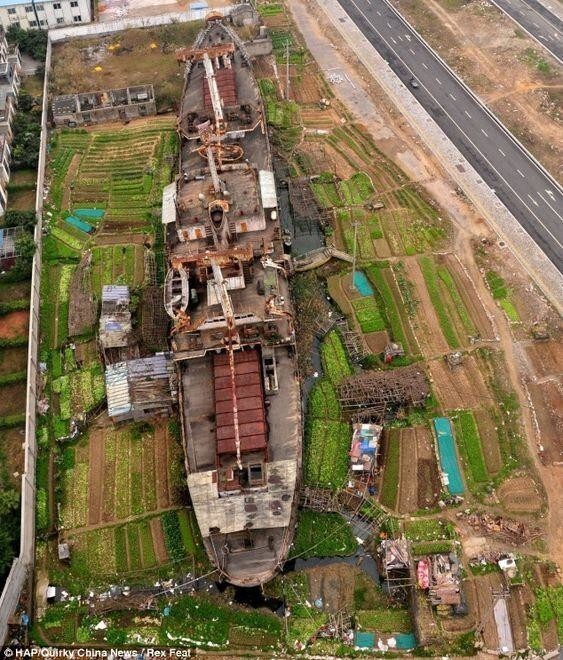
x=233 y=337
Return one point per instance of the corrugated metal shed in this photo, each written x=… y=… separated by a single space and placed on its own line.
x=169 y=204
x=115 y=292
x=117 y=389
x=268 y=189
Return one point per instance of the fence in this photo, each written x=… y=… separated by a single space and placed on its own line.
x=93 y=29
x=24 y=562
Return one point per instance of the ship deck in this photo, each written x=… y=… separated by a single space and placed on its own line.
x=224 y=521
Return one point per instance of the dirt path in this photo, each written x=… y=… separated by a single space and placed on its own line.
x=69 y=178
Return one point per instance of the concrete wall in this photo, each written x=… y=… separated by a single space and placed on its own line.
x=46 y=14
x=258 y=47
x=23 y=564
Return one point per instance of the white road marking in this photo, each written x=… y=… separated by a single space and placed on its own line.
x=533 y=200
x=412 y=51
x=393 y=40
x=502 y=152
x=438 y=81
x=467 y=114
x=550 y=193
x=484 y=133
x=400 y=38
x=424 y=65
x=389 y=25
x=378 y=13
x=453 y=97
x=520 y=173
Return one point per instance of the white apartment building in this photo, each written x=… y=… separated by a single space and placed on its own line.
x=43 y=15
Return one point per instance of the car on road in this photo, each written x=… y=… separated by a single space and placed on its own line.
x=413 y=82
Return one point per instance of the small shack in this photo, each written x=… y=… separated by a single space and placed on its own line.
x=115 y=320
x=441 y=575
x=142 y=388
x=365 y=447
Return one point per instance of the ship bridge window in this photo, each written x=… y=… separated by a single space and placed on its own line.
x=255 y=474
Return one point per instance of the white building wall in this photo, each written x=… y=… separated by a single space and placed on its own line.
x=49 y=14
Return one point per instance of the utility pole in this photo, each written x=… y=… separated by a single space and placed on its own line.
x=287 y=70
x=354 y=252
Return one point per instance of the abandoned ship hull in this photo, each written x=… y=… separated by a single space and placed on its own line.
x=233 y=338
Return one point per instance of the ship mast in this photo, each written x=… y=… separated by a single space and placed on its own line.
x=232 y=338
x=214 y=93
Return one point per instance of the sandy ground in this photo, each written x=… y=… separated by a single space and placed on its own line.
x=397 y=141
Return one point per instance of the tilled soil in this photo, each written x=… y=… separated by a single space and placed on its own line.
x=158 y=541
x=14 y=324
x=426 y=325
x=161 y=467
x=519 y=495
x=546 y=358
x=462 y=387
x=547 y=398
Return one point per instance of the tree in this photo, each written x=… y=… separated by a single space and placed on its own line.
x=31 y=42
x=15 y=218
x=9 y=527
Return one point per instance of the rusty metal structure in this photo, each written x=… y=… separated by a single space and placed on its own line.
x=378 y=395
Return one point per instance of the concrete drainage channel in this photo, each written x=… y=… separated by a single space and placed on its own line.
x=533 y=260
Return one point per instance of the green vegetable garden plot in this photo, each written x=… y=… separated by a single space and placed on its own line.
x=429 y=530
x=497 y=285
x=382 y=280
x=93 y=554
x=133 y=547
x=74 y=506
x=173 y=537
x=390 y=482
x=322 y=535
x=444 y=309
x=326 y=453
x=368 y=314
x=388 y=620
x=357 y=189
x=469 y=445
x=323 y=401
x=334 y=359
x=461 y=309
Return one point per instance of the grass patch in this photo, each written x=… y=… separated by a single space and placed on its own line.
x=322 y=535
x=389 y=620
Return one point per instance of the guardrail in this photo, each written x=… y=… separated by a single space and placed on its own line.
x=22 y=565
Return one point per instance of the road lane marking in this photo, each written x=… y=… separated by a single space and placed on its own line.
x=502 y=152
x=467 y=114
x=393 y=40
x=533 y=200
x=520 y=173
x=438 y=81
x=424 y=65
x=484 y=132
x=378 y=13
x=453 y=97
x=412 y=51
x=389 y=25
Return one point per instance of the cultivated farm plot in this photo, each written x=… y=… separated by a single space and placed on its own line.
x=12 y=399
x=117 y=264
x=520 y=495
x=463 y=387
x=546 y=358
x=425 y=322
x=14 y=324
x=416 y=475
x=13 y=360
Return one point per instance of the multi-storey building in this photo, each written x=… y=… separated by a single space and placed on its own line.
x=10 y=65
x=29 y=14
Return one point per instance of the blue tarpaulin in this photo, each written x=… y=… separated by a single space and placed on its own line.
x=364 y=640
x=95 y=214
x=448 y=457
x=79 y=224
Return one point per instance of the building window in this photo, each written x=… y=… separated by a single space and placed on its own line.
x=32 y=24
x=11 y=10
x=28 y=9
x=39 y=7
x=74 y=3
x=56 y=5
x=42 y=23
x=77 y=19
x=60 y=20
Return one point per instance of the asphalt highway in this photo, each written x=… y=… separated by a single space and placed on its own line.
x=538 y=21
x=527 y=190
